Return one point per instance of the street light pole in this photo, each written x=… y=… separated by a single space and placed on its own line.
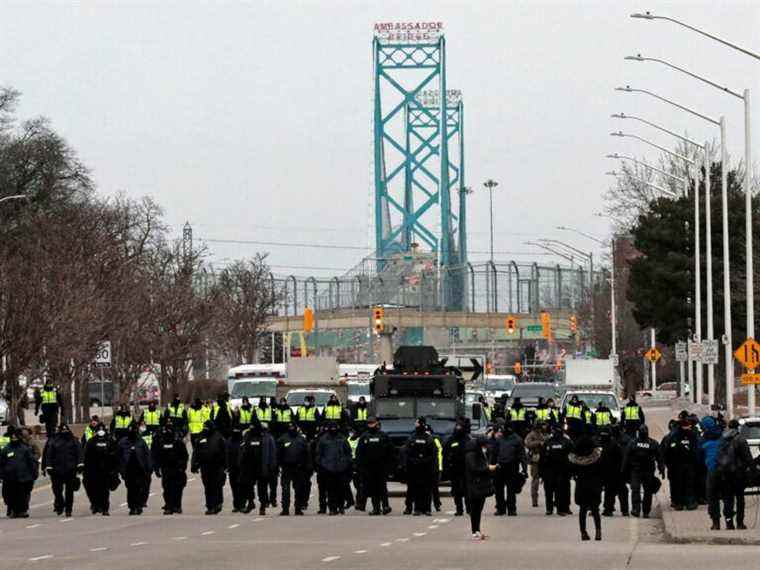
x=490 y=185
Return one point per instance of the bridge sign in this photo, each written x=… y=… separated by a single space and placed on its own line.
x=653 y=355
x=681 y=352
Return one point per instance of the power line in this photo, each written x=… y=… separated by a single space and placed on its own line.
x=285 y=244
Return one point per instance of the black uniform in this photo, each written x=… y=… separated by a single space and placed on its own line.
x=18 y=470
x=611 y=465
x=62 y=460
x=640 y=459
x=294 y=457
x=681 y=456
x=233 y=443
x=419 y=456
x=50 y=406
x=135 y=467
x=120 y=427
x=210 y=458
x=334 y=461
x=508 y=452
x=554 y=470
x=454 y=451
x=258 y=464
x=374 y=454
x=170 y=460
x=100 y=471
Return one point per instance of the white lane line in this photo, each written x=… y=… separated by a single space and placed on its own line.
x=180 y=538
x=433 y=526
x=385 y=543
x=258 y=519
x=123 y=505
x=331 y=559
x=33 y=525
x=138 y=544
x=441 y=520
x=43 y=557
x=233 y=526
x=450 y=512
x=208 y=532
x=419 y=533
x=66 y=520
x=98 y=549
x=360 y=552
x=402 y=540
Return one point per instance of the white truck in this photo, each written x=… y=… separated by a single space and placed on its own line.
x=593 y=381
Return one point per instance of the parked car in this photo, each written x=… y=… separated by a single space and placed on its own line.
x=749 y=429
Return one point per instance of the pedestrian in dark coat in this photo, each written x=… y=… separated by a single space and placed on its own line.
x=454 y=451
x=374 y=456
x=334 y=459
x=479 y=477
x=257 y=462
x=100 y=470
x=18 y=471
x=508 y=452
x=62 y=460
x=611 y=466
x=294 y=457
x=170 y=460
x=234 y=442
x=210 y=459
x=586 y=467
x=554 y=470
x=640 y=459
x=419 y=456
x=135 y=468
x=733 y=462
x=682 y=457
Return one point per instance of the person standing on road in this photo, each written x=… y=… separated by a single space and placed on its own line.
x=294 y=456
x=681 y=457
x=360 y=416
x=196 y=418
x=374 y=454
x=534 y=443
x=120 y=422
x=283 y=415
x=100 y=470
x=18 y=471
x=334 y=459
x=454 y=451
x=170 y=459
x=90 y=430
x=479 y=477
x=509 y=454
x=437 y=469
x=633 y=416
x=640 y=459
x=585 y=465
x=733 y=462
x=709 y=445
x=419 y=457
x=151 y=417
x=210 y=459
x=50 y=406
x=135 y=468
x=62 y=460
x=554 y=469
x=221 y=414
x=258 y=463
x=517 y=417
x=574 y=417
x=308 y=418
x=611 y=468
x=176 y=412
x=234 y=443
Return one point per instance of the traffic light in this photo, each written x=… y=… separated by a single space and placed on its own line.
x=518 y=368
x=308 y=319
x=510 y=324
x=377 y=319
x=546 y=325
x=573 y=324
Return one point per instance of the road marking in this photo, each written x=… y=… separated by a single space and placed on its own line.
x=419 y=533
x=331 y=559
x=402 y=540
x=233 y=526
x=98 y=549
x=441 y=520
x=123 y=505
x=43 y=557
x=450 y=512
x=180 y=538
x=138 y=544
x=33 y=525
x=38 y=505
x=360 y=552
x=66 y=520
x=433 y=526
x=258 y=519
x=385 y=543
x=151 y=494
x=208 y=532
x=191 y=479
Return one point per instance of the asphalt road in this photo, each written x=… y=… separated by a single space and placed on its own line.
x=192 y=540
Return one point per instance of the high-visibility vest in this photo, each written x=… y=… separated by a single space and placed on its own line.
x=148 y=439
x=440 y=453
x=588 y=416
x=122 y=422
x=631 y=413
x=354 y=444
x=307 y=414
x=215 y=410
x=264 y=414
x=573 y=412
x=152 y=418
x=361 y=414
x=195 y=420
x=603 y=418
x=245 y=416
x=542 y=414
x=88 y=433
x=283 y=416
x=206 y=412
x=517 y=415
x=4 y=440
x=50 y=396
x=333 y=413
x=486 y=411
x=177 y=412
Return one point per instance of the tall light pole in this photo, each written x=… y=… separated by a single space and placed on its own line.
x=747 y=192
x=491 y=185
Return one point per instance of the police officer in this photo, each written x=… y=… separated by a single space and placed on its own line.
x=151 y=417
x=486 y=409
x=534 y=443
x=120 y=422
x=361 y=500
x=283 y=416
x=62 y=460
x=420 y=455
x=633 y=416
x=263 y=412
x=245 y=414
x=602 y=416
x=639 y=461
x=308 y=418
x=89 y=430
x=50 y=405
x=437 y=469
x=196 y=418
x=294 y=457
x=18 y=471
x=176 y=411
x=170 y=459
x=333 y=412
x=681 y=456
x=454 y=464
x=222 y=414
x=553 y=412
x=334 y=459
x=135 y=468
x=258 y=465
x=100 y=470
x=210 y=459
x=554 y=470
x=542 y=413
x=508 y=452
x=611 y=463
x=234 y=442
x=360 y=416
x=518 y=418
x=574 y=417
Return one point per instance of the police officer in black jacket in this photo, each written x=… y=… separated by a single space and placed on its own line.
x=454 y=451
x=100 y=470
x=681 y=456
x=62 y=460
x=554 y=469
x=419 y=456
x=294 y=457
x=136 y=468
x=640 y=459
x=210 y=458
x=170 y=460
x=18 y=470
x=508 y=452
x=374 y=454
x=258 y=464
x=610 y=465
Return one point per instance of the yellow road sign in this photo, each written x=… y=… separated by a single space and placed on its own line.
x=653 y=355
x=749 y=354
x=750 y=379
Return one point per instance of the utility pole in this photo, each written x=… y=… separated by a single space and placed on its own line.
x=491 y=185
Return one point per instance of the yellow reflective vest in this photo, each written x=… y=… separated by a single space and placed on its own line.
x=263 y=414
x=245 y=416
x=573 y=412
x=283 y=416
x=517 y=415
x=631 y=413
x=361 y=414
x=333 y=413
x=152 y=418
x=49 y=396
x=603 y=418
x=195 y=420
x=307 y=414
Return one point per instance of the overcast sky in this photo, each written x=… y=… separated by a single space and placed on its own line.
x=252 y=120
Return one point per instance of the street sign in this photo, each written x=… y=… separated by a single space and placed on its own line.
x=710 y=352
x=534 y=328
x=103 y=355
x=748 y=379
x=682 y=354
x=749 y=354
x=653 y=355
x=695 y=351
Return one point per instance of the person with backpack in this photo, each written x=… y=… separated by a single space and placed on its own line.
x=734 y=459
x=709 y=444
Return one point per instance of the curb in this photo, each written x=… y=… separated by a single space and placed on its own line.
x=672 y=535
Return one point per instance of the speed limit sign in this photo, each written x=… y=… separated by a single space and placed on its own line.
x=103 y=355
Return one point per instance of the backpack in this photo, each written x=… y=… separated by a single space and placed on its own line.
x=726 y=460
